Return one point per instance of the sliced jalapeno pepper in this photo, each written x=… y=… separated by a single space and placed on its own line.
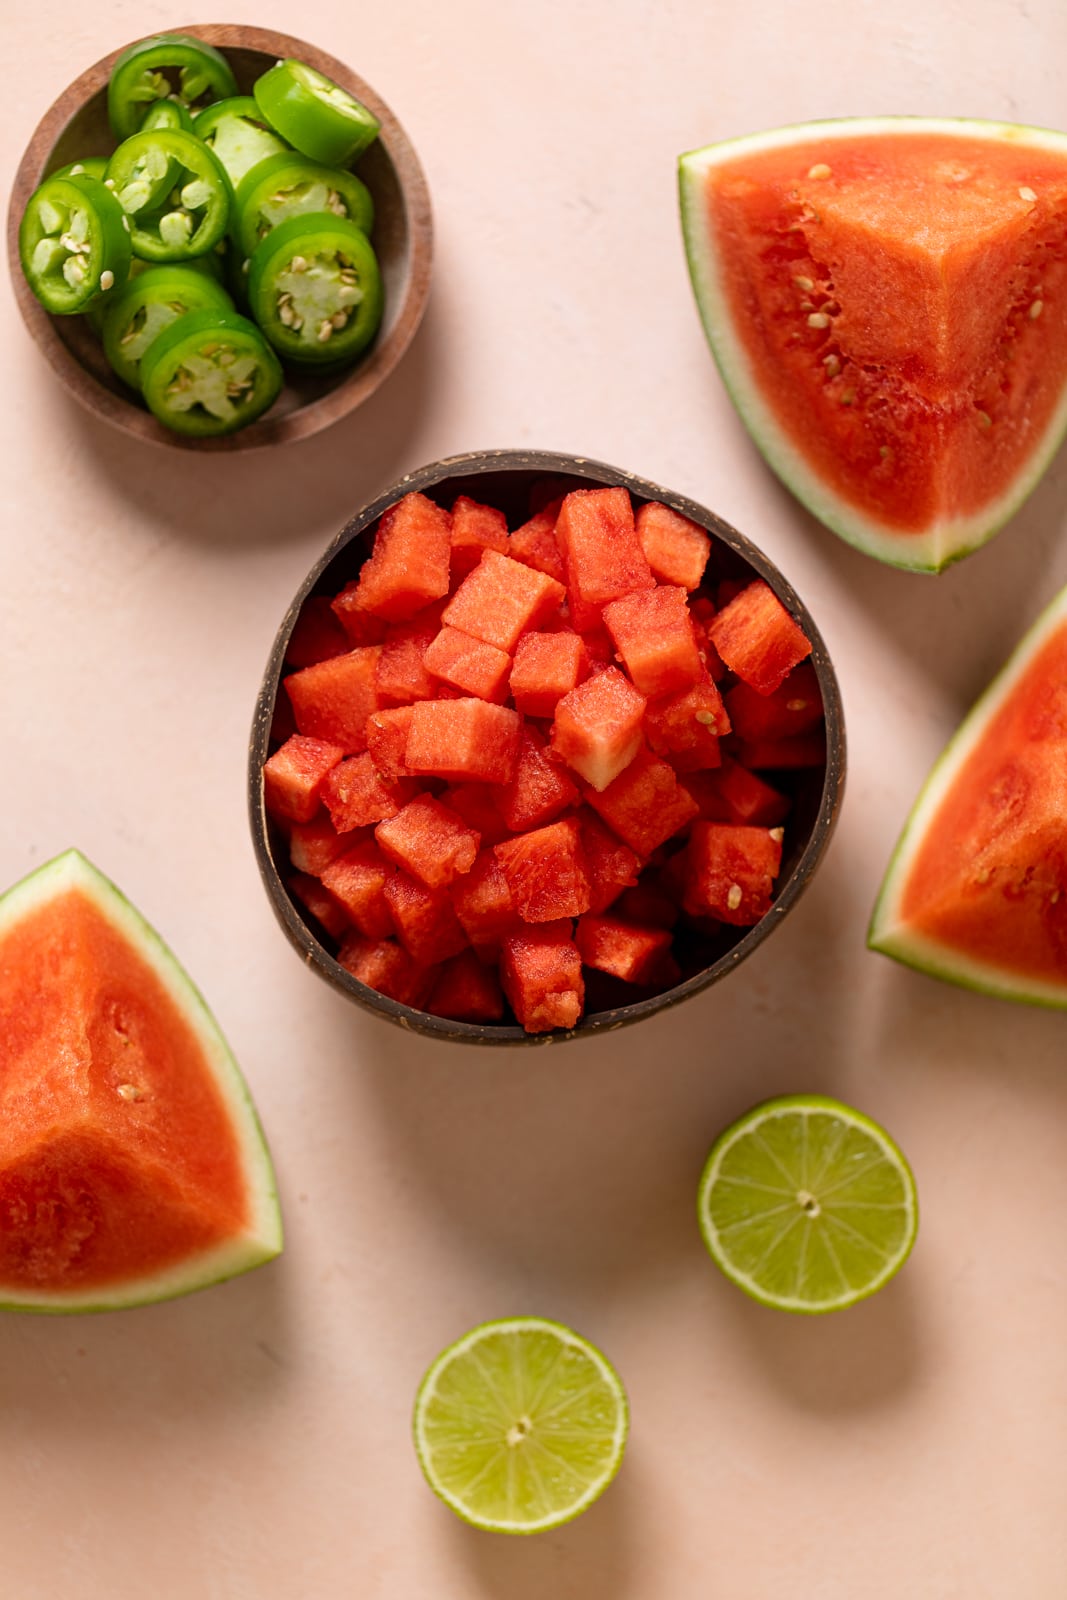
x=291 y=186
x=155 y=299
x=167 y=114
x=317 y=116
x=87 y=167
x=236 y=132
x=167 y=66
x=315 y=289
x=175 y=192
x=210 y=372
x=73 y=243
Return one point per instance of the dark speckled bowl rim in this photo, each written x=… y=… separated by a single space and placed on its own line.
x=598 y=474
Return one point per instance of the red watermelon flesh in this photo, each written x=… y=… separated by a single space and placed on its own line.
x=475 y=529
x=132 y=1167
x=467 y=990
x=409 y=566
x=333 y=699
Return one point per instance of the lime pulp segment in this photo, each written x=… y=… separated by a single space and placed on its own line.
x=807 y=1205
x=520 y=1425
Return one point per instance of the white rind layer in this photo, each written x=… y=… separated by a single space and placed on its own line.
x=262 y=1238
x=946 y=541
x=888 y=932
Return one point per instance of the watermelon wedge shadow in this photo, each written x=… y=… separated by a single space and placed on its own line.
x=132 y=1164
x=513 y=480
x=976 y=890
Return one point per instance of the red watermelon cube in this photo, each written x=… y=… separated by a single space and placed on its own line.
x=313 y=845
x=547 y=666
x=479 y=806
x=430 y=841
x=387 y=740
x=294 y=776
x=425 y=920
x=317 y=634
x=611 y=865
x=361 y=627
x=757 y=638
x=806 y=750
x=676 y=549
x=654 y=637
x=409 y=565
x=645 y=805
x=541 y=971
x=626 y=950
x=501 y=598
x=730 y=872
x=333 y=699
x=320 y=903
x=597 y=727
x=382 y=965
x=467 y=991
x=483 y=904
x=535 y=544
x=357 y=795
x=546 y=872
x=737 y=795
x=793 y=708
x=602 y=556
x=540 y=789
x=475 y=529
x=647 y=904
x=685 y=727
x=464 y=739
x=469 y=664
x=357 y=883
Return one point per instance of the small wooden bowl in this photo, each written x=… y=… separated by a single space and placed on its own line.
x=77 y=126
x=504 y=478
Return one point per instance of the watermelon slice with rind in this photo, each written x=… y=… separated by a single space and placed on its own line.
x=886 y=299
x=132 y=1164
x=976 y=891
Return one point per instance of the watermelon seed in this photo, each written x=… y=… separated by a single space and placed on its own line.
x=777 y=834
x=848 y=397
x=883 y=451
x=733 y=898
x=1027 y=194
x=1053 y=897
x=1036 y=308
x=984 y=420
x=818 y=319
x=832 y=365
x=819 y=170
x=128 y=1091
x=804 y=283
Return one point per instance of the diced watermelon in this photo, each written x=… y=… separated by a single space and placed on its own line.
x=611 y=865
x=430 y=841
x=387 y=740
x=547 y=666
x=479 y=806
x=654 y=636
x=757 y=638
x=361 y=627
x=313 y=845
x=626 y=950
x=356 y=794
x=602 y=556
x=469 y=664
x=647 y=904
x=357 y=882
x=795 y=707
x=676 y=549
x=294 y=776
x=807 y=750
x=685 y=727
x=541 y=971
x=282 y=722
x=645 y=805
x=597 y=727
x=475 y=529
x=483 y=904
x=464 y=739
x=539 y=791
x=382 y=965
x=409 y=565
x=425 y=920
x=730 y=871
x=501 y=598
x=546 y=872
x=317 y=634
x=323 y=907
x=535 y=544
x=401 y=676
x=333 y=699
x=467 y=991
x=702 y=614
x=736 y=795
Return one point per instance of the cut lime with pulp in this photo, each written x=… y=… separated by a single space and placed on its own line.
x=807 y=1205
x=520 y=1425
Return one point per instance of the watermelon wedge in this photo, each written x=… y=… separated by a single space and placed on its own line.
x=976 y=891
x=132 y=1164
x=886 y=299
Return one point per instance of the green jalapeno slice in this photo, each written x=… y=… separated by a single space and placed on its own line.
x=157 y=297
x=86 y=167
x=167 y=114
x=317 y=116
x=290 y=185
x=176 y=193
x=235 y=130
x=315 y=289
x=168 y=66
x=73 y=243
x=210 y=372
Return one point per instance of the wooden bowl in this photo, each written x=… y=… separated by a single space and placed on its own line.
x=77 y=126
x=504 y=478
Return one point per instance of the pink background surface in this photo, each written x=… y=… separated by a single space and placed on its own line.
x=253 y=1441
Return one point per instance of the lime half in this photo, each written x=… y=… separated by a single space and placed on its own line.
x=807 y=1205
x=520 y=1425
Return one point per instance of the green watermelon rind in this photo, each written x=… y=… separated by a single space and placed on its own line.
x=926 y=553
x=891 y=937
x=262 y=1240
